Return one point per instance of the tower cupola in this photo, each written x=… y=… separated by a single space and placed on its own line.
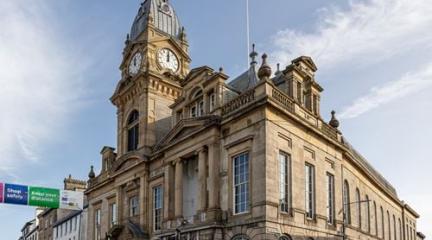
x=160 y=14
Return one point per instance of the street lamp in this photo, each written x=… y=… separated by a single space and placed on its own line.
x=344 y=215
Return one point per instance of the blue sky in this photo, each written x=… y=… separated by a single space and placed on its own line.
x=59 y=66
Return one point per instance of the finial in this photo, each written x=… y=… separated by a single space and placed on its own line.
x=91 y=174
x=127 y=39
x=334 y=122
x=183 y=34
x=150 y=18
x=221 y=69
x=278 y=69
x=253 y=55
x=265 y=70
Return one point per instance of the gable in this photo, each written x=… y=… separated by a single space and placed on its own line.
x=186 y=128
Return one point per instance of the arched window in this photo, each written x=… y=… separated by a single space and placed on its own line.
x=197 y=106
x=359 y=216
x=240 y=237
x=133 y=131
x=285 y=237
x=368 y=228
x=346 y=203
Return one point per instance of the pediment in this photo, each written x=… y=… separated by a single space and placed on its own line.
x=186 y=128
x=195 y=73
x=175 y=44
x=126 y=161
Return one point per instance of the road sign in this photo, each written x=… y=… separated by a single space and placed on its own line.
x=44 y=197
x=41 y=197
x=15 y=194
x=71 y=200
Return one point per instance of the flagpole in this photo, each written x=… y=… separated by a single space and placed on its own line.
x=247 y=32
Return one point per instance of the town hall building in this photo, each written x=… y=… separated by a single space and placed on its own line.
x=200 y=156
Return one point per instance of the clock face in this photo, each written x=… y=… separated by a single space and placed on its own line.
x=135 y=64
x=168 y=60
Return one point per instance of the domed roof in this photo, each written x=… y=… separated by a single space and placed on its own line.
x=163 y=16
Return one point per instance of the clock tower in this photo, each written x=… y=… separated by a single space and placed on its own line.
x=155 y=60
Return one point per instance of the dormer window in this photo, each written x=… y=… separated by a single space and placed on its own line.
x=197 y=105
x=133 y=131
x=200 y=108
x=299 y=92
x=197 y=109
x=193 y=111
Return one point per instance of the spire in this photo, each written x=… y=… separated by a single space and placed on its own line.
x=253 y=56
x=278 y=71
x=265 y=71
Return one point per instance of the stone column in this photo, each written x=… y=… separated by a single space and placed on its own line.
x=119 y=203
x=143 y=200
x=168 y=192
x=178 y=211
x=213 y=160
x=202 y=179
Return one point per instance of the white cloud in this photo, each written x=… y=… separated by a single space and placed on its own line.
x=377 y=96
x=367 y=32
x=370 y=35
x=39 y=82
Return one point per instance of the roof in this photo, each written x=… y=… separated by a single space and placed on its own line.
x=68 y=217
x=369 y=167
x=246 y=80
x=163 y=16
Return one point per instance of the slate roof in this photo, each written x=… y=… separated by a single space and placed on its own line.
x=246 y=80
x=163 y=15
x=369 y=167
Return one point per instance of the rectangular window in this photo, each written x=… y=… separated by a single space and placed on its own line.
x=310 y=191
x=97 y=224
x=330 y=199
x=305 y=100
x=193 y=111
x=133 y=137
x=284 y=181
x=241 y=183
x=133 y=206
x=200 y=108
x=113 y=214
x=157 y=207
x=70 y=226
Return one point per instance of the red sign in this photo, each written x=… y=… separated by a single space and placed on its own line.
x=1 y=192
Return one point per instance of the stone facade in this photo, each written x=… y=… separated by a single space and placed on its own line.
x=199 y=157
